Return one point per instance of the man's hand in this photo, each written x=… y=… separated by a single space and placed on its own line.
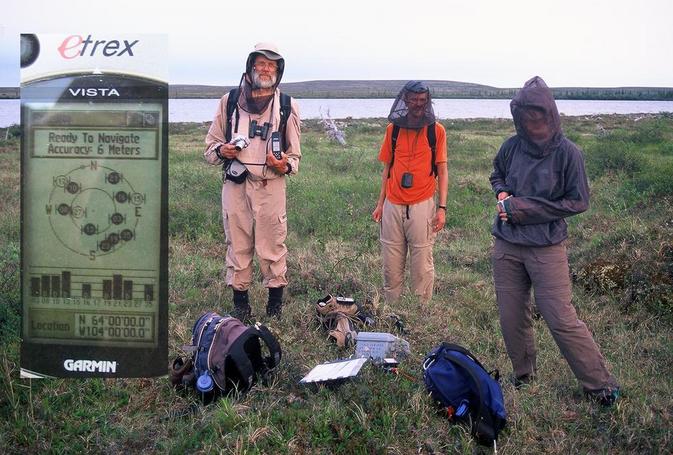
x=502 y=195
x=438 y=220
x=378 y=212
x=501 y=210
x=502 y=214
x=280 y=165
x=228 y=151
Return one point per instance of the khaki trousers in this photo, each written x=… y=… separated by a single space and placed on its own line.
x=517 y=268
x=408 y=228
x=255 y=221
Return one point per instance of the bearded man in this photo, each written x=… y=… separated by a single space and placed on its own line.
x=255 y=137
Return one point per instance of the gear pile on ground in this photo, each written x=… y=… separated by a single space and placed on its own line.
x=337 y=315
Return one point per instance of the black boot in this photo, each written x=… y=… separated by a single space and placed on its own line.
x=241 y=305
x=275 y=304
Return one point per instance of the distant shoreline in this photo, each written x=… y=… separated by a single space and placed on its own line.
x=365 y=120
x=364 y=89
x=316 y=123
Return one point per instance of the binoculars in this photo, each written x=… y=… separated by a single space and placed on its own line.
x=257 y=130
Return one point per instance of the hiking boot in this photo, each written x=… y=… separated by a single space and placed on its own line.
x=341 y=329
x=241 y=305
x=523 y=380
x=606 y=397
x=274 y=307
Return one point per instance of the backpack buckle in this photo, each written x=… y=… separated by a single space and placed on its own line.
x=462 y=408
x=428 y=362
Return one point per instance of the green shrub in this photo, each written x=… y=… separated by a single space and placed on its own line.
x=11 y=132
x=655 y=180
x=666 y=149
x=10 y=300
x=649 y=132
x=574 y=136
x=612 y=155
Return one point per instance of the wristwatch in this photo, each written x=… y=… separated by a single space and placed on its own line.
x=289 y=169
x=442 y=207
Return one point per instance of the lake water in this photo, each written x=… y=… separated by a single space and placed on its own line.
x=202 y=110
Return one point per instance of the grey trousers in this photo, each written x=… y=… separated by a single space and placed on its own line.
x=517 y=268
x=408 y=229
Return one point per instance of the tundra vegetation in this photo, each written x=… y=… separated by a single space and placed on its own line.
x=621 y=257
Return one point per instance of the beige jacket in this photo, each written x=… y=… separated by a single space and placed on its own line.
x=254 y=156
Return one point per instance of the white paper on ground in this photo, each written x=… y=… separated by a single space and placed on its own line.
x=334 y=370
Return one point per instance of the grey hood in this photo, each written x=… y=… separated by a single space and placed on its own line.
x=536 y=94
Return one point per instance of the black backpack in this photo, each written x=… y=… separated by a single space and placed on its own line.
x=432 y=140
x=227 y=357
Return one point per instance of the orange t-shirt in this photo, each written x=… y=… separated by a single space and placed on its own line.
x=412 y=154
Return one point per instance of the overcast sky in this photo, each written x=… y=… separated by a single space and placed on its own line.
x=494 y=42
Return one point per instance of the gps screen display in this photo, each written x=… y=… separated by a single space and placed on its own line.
x=94 y=226
x=92 y=186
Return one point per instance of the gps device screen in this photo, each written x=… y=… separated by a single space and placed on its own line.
x=94 y=231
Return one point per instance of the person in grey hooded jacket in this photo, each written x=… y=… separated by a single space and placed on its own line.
x=539 y=179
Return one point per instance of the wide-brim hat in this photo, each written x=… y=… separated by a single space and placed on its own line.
x=270 y=51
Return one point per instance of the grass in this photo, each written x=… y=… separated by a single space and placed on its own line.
x=621 y=257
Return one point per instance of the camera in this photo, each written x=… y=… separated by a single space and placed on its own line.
x=240 y=142
x=407 y=180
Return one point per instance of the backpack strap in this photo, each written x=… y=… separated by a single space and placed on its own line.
x=285 y=110
x=456 y=347
x=239 y=356
x=393 y=144
x=232 y=105
x=272 y=344
x=483 y=426
x=250 y=363
x=232 y=108
x=195 y=338
x=432 y=140
x=204 y=327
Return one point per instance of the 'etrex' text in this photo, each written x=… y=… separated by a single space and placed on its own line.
x=76 y=46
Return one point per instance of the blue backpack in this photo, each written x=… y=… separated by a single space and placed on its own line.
x=458 y=382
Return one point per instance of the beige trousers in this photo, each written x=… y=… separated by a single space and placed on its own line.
x=515 y=270
x=408 y=228
x=255 y=221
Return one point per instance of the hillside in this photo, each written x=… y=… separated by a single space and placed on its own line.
x=390 y=88
x=439 y=89
x=340 y=89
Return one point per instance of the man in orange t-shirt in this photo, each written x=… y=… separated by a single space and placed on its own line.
x=406 y=205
